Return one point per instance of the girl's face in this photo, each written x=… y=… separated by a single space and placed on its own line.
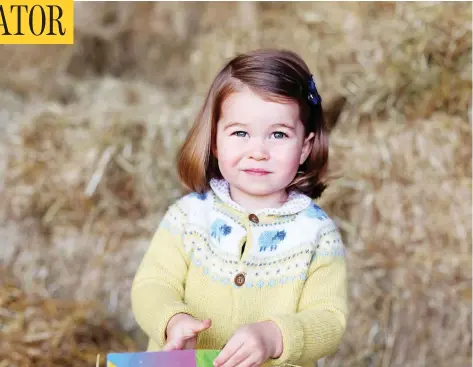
x=260 y=145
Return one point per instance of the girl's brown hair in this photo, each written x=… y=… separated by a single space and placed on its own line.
x=276 y=75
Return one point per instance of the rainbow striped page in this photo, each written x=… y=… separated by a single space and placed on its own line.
x=175 y=358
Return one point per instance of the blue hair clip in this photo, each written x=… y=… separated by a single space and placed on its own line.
x=314 y=96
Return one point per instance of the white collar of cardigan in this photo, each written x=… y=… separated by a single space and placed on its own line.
x=295 y=203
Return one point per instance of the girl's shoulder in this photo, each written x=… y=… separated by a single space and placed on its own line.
x=189 y=206
x=314 y=217
x=193 y=203
x=315 y=212
x=318 y=226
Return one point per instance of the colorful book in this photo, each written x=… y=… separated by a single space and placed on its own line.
x=175 y=358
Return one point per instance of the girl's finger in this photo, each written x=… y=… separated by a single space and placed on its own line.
x=187 y=334
x=173 y=345
x=201 y=326
x=195 y=328
x=190 y=343
x=168 y=347
x=249 y=362
x=227 y=352
x=242 y=358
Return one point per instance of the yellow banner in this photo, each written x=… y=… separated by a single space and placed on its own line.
x=36 y=22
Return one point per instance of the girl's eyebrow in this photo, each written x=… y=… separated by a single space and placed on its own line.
x=233 y=123
x=239 y=124
x=287 y=126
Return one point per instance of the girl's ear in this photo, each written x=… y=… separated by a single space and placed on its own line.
x=307 y=147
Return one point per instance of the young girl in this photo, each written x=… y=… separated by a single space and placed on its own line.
x=246 y=262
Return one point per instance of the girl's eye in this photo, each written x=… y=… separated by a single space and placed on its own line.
x=240 y=134
x=279 y=135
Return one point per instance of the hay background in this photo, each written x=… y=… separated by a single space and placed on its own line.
x=89 y=135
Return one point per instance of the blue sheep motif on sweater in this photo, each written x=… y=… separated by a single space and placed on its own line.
x=219 y=228
x=314 y=211
x=270 y=239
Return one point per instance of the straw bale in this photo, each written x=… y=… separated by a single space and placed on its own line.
x=389 y=60
x=402 y=59
x=85 y=185
x=36 y=330
x=88 y=161
x=404 y=205
x=145 y=39
x=87 y=158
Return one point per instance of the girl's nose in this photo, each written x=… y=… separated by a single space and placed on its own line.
x=258 y=150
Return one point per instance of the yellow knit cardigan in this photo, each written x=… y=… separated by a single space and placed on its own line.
x=211 y=259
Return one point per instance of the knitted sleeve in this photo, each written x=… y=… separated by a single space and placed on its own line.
x=316 y=330
x=158 y=287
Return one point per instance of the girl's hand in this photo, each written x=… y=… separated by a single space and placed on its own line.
x=251 y=346
x=182 y=330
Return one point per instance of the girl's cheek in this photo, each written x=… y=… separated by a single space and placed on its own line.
x=228 y=152
x=224 y=144
x=232 y=146
x=287 y=153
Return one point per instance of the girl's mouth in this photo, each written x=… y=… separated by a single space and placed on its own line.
x=256 y=172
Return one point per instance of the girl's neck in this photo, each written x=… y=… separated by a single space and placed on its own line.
x=253 y=203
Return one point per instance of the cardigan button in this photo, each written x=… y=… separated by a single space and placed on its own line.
x=253 y=218
x=239 y=279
